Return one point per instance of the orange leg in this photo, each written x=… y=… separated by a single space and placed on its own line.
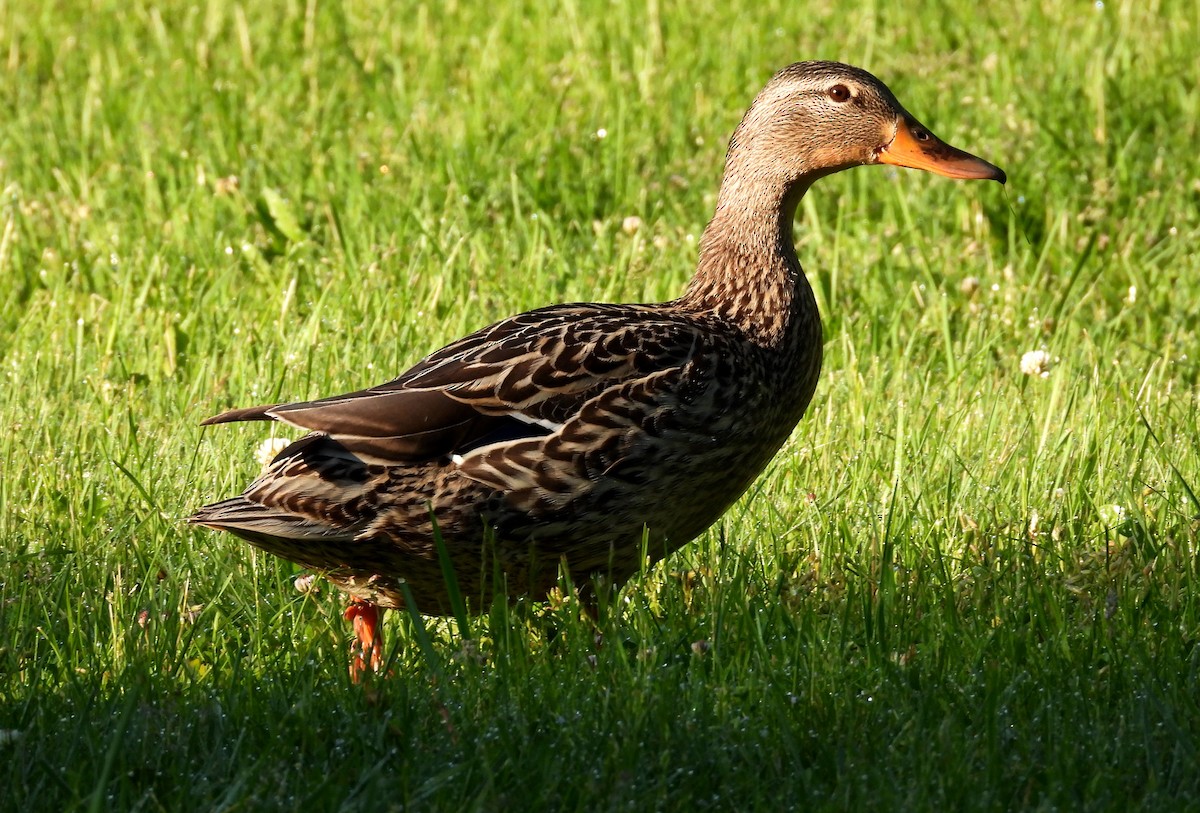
x=367 y=649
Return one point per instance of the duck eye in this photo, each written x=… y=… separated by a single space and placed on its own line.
x=839 y=93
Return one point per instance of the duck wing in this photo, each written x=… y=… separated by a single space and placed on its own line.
x=523 y=377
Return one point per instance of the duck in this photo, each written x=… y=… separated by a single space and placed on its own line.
x=584 y=440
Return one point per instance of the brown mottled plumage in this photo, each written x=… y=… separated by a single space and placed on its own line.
x=577 y=434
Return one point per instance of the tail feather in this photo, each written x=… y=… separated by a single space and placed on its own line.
x=259 y=523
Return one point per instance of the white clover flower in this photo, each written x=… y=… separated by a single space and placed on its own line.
x=1036 y=362
x=1112 y=515
x=267 y=450
x=631 y=224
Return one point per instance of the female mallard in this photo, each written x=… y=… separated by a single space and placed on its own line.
x=586 y=435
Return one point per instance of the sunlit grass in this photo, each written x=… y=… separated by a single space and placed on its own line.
x=960 y=585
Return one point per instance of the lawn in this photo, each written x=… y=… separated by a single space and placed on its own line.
x=960 y=586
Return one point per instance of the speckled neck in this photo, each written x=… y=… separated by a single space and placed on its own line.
x=747 y=273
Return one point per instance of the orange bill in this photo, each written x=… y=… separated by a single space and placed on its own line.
x=915 y=147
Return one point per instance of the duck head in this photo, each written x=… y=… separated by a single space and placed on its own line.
x=816 y=118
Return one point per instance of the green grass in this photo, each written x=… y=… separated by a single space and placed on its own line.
x=930 y=601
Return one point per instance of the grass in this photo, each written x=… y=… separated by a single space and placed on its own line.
x=957 y=587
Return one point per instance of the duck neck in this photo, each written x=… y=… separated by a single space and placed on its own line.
x=748 y=274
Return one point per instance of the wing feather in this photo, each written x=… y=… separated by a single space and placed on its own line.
x=523 y=377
